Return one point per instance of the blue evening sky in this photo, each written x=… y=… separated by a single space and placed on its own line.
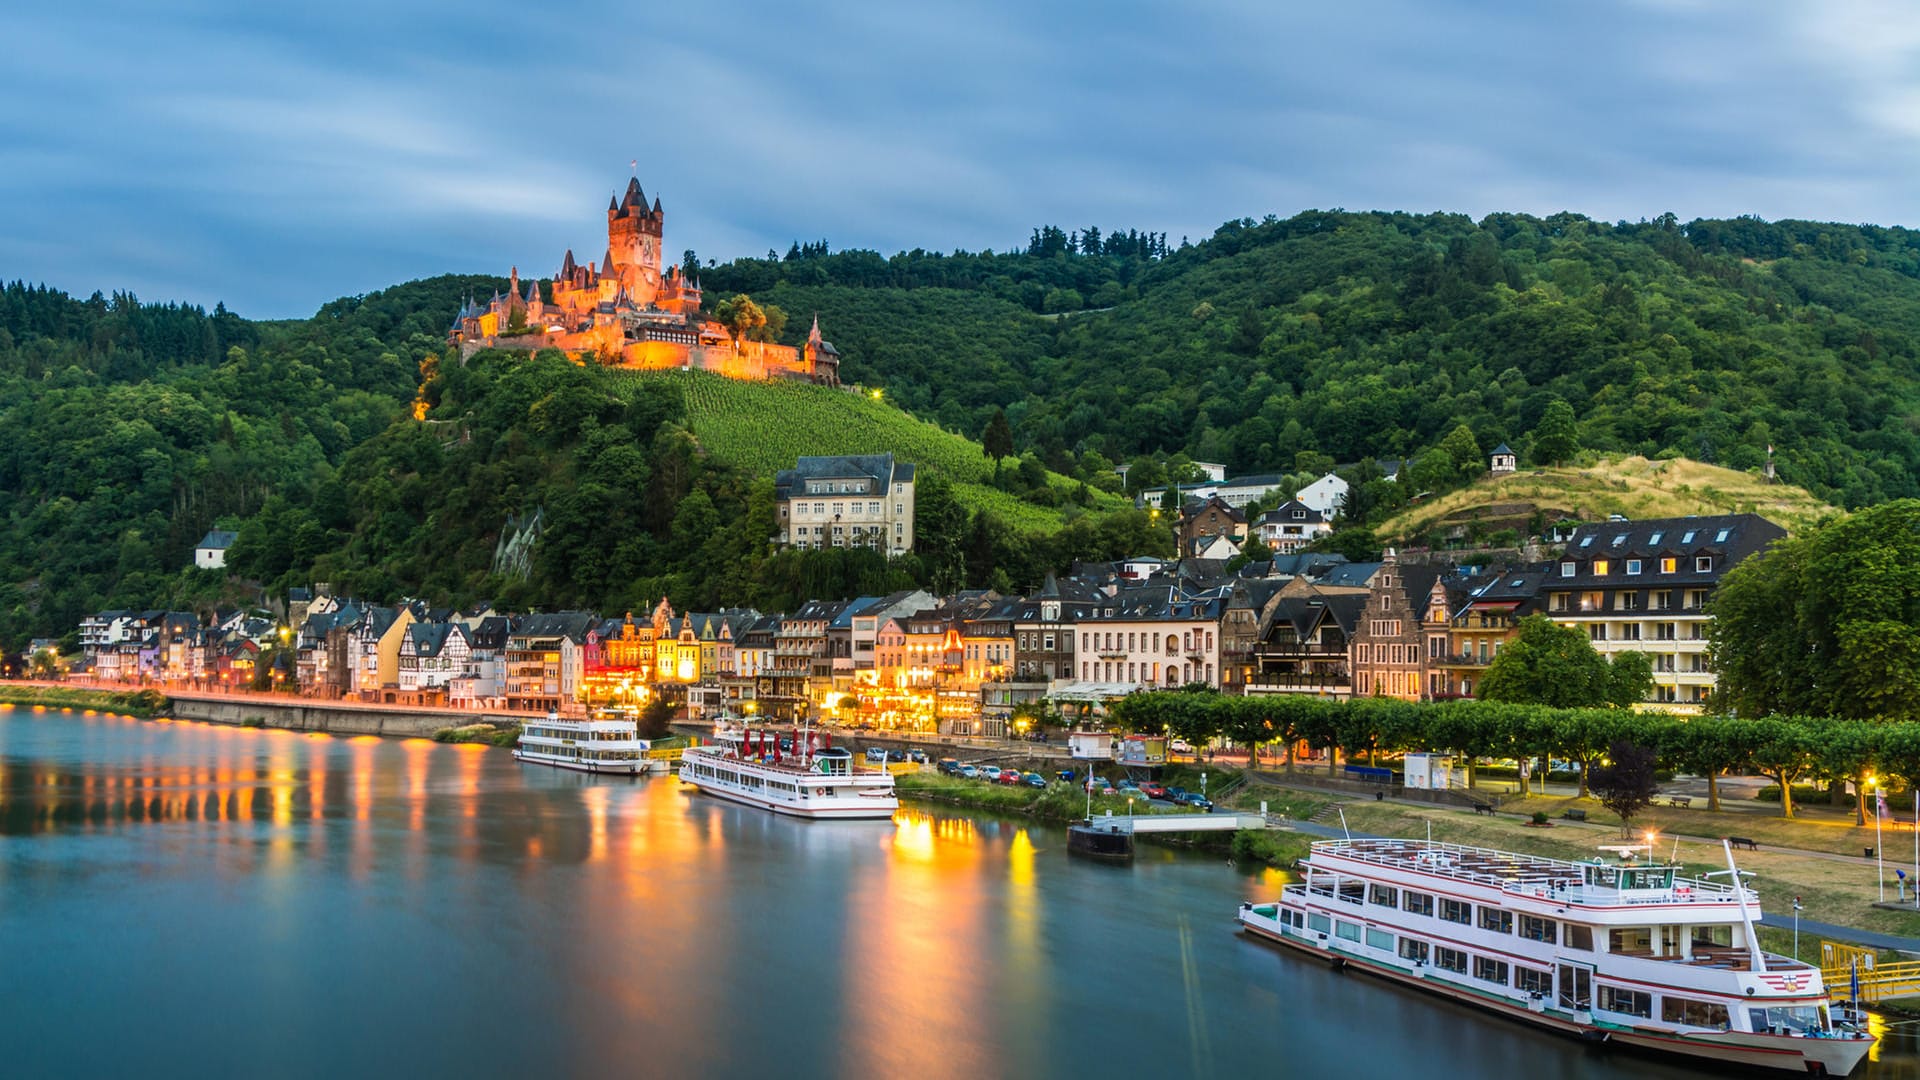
x=275 y=155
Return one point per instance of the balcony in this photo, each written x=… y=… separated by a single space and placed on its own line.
x=1300 y=650
x=1465 y=659
x=1309 y=682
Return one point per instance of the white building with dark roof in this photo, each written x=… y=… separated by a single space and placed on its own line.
x=211 y=552
x=859 y=500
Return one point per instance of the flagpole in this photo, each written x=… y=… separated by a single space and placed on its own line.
x=1879 y=851
x=1916 y=848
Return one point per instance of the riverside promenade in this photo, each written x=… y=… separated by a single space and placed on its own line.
x=295 y=713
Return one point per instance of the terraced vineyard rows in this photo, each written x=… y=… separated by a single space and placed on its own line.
x=764 y=426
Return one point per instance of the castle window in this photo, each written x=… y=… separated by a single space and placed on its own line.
x=873 y=508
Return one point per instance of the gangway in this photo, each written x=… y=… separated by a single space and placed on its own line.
x=1839 y=963
x=1111 y=837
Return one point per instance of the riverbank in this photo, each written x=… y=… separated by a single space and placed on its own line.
x=144 y=704
x=333 y=717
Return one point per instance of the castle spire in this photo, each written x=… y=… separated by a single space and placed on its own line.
x=606 y=267
x=613 y=204
x=635 y=196
x=567 y=266
x=656 y=205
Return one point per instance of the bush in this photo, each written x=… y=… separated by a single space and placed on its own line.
x=1539 y=817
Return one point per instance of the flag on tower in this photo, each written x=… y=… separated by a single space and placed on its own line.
x=635 y=166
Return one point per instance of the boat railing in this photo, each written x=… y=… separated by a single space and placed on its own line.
x=1524 y=875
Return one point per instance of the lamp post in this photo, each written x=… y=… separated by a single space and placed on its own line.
x=1796 y=928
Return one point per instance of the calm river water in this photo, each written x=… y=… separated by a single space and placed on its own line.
x=192 y=900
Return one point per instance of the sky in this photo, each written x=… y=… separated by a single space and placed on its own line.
x=275 y=156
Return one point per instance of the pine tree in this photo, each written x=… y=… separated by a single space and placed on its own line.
x=998 y=439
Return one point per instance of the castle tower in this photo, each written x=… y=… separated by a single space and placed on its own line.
x=634 y=242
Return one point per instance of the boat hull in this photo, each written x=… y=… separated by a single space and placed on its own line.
x=868 y=809
x=1833 y=1057
x=611 y=768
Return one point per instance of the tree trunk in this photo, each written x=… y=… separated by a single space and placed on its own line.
x=1713 y=791
x=1333 y=758
x=1473 y=776
x=1786 y=796
x=1586 y=766
x=1859 y=799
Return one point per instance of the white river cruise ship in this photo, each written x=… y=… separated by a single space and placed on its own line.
x=809 y=778
x=1620 y=951
x=605 y=741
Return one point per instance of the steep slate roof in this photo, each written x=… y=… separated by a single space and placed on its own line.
x=881 y=469
x=218 y=540
x=572 y=625
x=1348 y=575
x=428 y=638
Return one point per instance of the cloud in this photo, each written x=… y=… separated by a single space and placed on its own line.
x=275 y=157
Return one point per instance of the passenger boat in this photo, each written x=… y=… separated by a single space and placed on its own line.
x=603 y=741
x=1618 y=950
x=810 y=779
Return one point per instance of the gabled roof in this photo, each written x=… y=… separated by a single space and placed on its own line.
x=429 y=638
x=217 y=540
x=1348 y=575
x=1503 y=448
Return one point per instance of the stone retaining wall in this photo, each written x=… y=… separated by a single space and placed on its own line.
x=332 y=717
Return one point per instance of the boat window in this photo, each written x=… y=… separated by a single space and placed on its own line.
x=1498 y=921
x=1605 y=877
x=1379 y=939
x=1449 y=959
x=1799 y=1018
x=1353 y=892
x=1619 y=999
x=1579 y=937
x=1487 y=969
x=1713 y=937
x=1347 y=930
x=1320 y=923
x=1532 y=980
x=1384 y=895
x=1678 y=1010
x=1537 y=929
x=1417 y=903
x=1456 y=911
x=1630 y=939
x=1413 y=950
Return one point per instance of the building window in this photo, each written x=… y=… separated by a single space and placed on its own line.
x=1633 y=567
x=1600 y=567
x=1669 y=565
x=1566 y=569
x=1703 y=564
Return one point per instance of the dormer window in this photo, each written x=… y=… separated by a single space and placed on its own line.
x=1703 y=564
x=1601 y=567
x=1299 y=515
x=1669 y=565
x=1633 y=567
x=1566 y=569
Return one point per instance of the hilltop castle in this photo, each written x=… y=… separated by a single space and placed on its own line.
x=626 y=311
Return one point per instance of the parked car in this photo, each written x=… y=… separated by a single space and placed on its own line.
x=876 y=755
x=1011 y=776
x=989 y=772
x=896 y=755
x=1152 y=789
x=918 y=755
x=948 y=767
x=1197 y=800
x=1034 y=779
x=968 y=772
x=1180 y=746
x=1176 y=794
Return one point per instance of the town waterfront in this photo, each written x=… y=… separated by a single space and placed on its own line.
x=192 y=899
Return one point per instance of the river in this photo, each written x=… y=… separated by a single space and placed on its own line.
x=191 y=900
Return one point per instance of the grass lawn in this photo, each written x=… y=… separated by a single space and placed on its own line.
x=1830 y=890
x=1812 y=828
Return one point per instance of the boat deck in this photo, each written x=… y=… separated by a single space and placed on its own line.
x=1512 y=872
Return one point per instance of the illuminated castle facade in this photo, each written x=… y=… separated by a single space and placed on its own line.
x=625 y=310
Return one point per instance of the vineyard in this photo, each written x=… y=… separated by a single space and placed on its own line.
x=764 y=426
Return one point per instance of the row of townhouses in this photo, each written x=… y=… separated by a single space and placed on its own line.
x=1296 y=623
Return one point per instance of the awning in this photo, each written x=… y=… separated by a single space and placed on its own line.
x=1093 y=691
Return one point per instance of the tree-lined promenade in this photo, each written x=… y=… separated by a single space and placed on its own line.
x=1788 y=749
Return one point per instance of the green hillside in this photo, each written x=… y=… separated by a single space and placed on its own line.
x=762 y=427
x=1632 y=486
x=1372 y=334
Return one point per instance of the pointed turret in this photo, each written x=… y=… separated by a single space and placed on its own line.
x=533 y=292
x=635 y=196
x=613 y=204
x=567 y=266
x=656 y=205
x=813 y=335
x=606 y=265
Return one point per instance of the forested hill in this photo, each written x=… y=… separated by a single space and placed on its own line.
x=132 y=427
x=1372 y=334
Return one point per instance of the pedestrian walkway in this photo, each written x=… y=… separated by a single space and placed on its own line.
x=1844 y=933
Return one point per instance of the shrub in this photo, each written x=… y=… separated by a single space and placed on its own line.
x=1539 y=817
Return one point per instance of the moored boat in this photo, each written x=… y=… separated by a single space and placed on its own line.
x=1619 y=951
x=603 y=741
x=809 y=777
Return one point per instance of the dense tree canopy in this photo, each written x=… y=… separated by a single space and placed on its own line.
x=1826 y=622
x=1550 y=664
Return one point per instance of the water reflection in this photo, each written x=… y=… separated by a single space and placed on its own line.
x=340 y=906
